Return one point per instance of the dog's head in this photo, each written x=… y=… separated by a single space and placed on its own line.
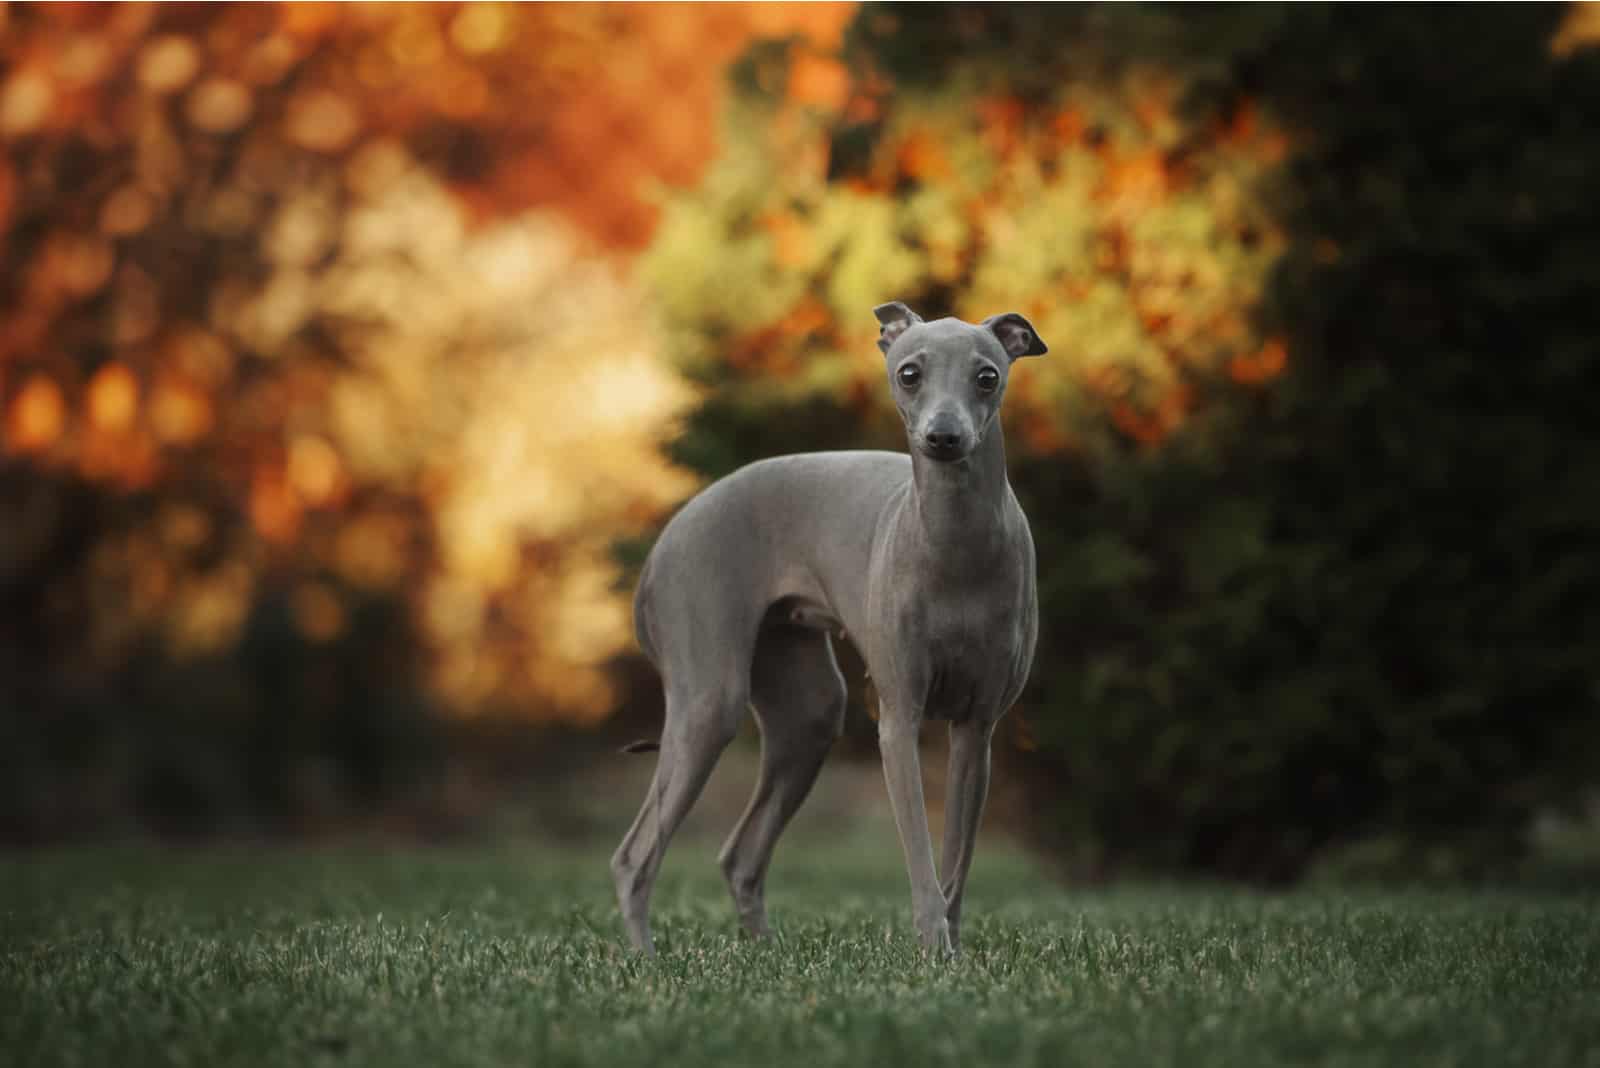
x=948 y=376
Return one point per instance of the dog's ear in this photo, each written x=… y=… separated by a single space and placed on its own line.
x=1017 y=335
x=896 y=319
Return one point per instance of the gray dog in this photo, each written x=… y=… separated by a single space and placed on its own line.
x=926 y=561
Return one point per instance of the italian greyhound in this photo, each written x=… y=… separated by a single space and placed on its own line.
x=925 y=561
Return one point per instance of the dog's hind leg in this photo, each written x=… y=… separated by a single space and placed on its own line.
x=698 y=728
x=799 y=697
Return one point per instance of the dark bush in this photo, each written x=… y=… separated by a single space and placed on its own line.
x=1370 y=611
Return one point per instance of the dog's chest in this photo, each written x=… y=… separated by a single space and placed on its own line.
x=971 y=649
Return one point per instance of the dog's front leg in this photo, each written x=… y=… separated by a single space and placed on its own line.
x=967 y=786
x=902 y=770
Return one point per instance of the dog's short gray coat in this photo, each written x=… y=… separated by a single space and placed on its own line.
x=925 y=561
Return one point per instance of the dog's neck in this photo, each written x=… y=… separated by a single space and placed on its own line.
x=962 y=506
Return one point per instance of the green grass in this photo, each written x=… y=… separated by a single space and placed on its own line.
x=512 y=955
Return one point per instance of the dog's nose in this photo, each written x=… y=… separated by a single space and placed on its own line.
x=943 y=440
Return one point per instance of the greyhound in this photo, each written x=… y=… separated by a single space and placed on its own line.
x=926 y=561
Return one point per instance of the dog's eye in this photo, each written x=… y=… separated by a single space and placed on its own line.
x=988 y=379
x=910 y=375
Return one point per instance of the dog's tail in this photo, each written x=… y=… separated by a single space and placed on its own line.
x=643 y=745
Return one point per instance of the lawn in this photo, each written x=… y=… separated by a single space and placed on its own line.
x=511 y=954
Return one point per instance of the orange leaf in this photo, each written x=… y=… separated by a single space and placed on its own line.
x=1274 y=354
x=1068 y=125
x=180 y=413
x=821 y=81
x=113 y=398
x=1135 y=180
x=1250 y=370
x=791 y=240
x=8 y=193
x=37 y=417
x=1143 y=428
x=920 y=156
x=273 y=507
x=1000 y=119
x=1242 y=125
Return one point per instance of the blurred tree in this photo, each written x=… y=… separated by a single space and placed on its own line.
x=1308 y=462
x=1089 y=203
x=308 y=315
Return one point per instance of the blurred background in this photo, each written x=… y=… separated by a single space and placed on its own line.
x=351 y=357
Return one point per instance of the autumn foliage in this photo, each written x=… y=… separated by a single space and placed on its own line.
x=317 y=332
x=328 y=289
x=1134 y=231
x=350 y=355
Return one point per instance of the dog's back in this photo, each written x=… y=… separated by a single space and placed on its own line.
x=794 y=531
